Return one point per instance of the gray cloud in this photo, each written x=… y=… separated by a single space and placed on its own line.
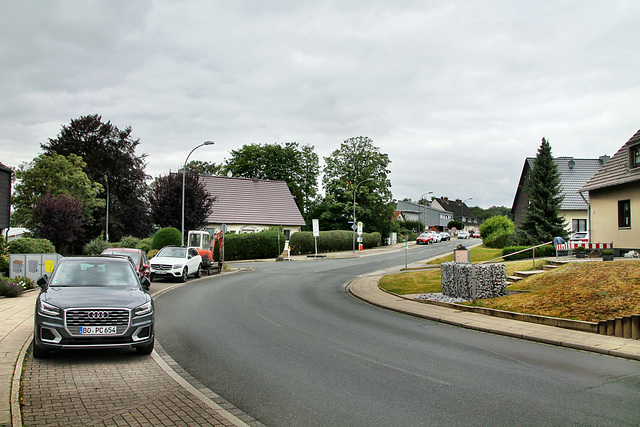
x=457 y=93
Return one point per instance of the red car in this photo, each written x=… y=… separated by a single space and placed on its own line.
x=138 y=259
x=424 y=239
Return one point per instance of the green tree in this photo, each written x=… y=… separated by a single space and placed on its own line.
x=496 y=225
x=296 y=165
x=483 y=214
x=110 y=158
x=165 y=200
x=208 y=168
x=542 y=221
x=359 y=166
x=52 y=175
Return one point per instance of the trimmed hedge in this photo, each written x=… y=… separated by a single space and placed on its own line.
x=543 y=251
x=330 y=241
x=251 y=246
x=28 y=245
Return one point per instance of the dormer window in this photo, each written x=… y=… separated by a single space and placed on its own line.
x=635 y=156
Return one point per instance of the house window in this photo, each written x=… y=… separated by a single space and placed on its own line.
x=287 y=234
x=578 y=225
x=635 y=156
x=624 y=214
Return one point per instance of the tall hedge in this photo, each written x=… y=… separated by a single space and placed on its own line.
x=251 y=245
x=330 y=241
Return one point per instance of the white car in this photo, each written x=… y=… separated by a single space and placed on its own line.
x=463 y=234
x=176 y=262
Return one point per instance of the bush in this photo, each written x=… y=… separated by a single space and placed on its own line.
x=28 y=245
x=251 y=245
x=145 y=244
x=128 y=242
x=543 y=251
x=152 y=253
x=498 y=241
x=330 y=241
x=96 y=246
x=4 y=264
x=14 y=287
x=166 y=236
x=497 y=231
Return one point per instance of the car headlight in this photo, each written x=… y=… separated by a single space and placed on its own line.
x=143 y=309
x=177 y=266
x=48 y=309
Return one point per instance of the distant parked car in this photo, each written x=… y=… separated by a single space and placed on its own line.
x=176 y=261
x=138 y=259
x=476 y=235
x=435 y=235
x=424 y=239
x=462 y=234
x=445 y=236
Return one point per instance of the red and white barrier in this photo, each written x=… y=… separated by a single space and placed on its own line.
x=590 y=245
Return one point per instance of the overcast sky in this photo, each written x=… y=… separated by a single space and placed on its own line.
x=458 y=93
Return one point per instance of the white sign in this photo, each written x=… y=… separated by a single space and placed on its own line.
x=359 y=228
x=316 y=227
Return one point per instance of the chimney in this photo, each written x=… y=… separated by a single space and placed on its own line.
x=459 y=202
x=604 y=159
x=446 y=199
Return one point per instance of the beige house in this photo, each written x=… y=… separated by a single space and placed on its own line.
x=251 y=205
x=614 y=194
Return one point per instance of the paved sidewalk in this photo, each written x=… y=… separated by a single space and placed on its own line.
x=366 y=288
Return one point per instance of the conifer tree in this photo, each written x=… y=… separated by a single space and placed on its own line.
x=542 y=221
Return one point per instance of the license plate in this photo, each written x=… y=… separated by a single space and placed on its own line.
x=97 y=330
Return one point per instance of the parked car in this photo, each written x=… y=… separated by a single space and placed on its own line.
x=476 y=235
x=463 y=234
x=93 y=302
x=445 y=236
x=176 y=262
x=424 y=239
x=434 y=235
x=580 y=236
x=138 y=258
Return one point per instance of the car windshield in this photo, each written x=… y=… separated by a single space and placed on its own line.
x=94 y=273
x=171 y=252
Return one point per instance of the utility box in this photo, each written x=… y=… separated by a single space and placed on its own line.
x=32 y=265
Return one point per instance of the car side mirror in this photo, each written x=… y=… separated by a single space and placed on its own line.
x=145 y=282
x=42 y=281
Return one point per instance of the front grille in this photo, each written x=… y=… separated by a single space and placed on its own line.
x=97 y=317
x=161 y=267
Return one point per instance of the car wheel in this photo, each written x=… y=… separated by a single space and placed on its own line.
x=39 y=352
x=184 y=276
x=147 y=349
x=199 y=271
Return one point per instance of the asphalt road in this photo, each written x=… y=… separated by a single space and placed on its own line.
x=286 y=344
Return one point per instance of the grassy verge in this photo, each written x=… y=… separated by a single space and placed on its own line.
x=582 y=291
x=428 y=281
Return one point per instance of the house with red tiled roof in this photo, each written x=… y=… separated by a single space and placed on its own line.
x=614 y=195
x=574 y=173
x=245 y=205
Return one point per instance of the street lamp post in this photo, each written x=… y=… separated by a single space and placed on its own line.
x=106 y=180
x=425 y=220
x=354 y=211
x=184 y=172
x=462 y=209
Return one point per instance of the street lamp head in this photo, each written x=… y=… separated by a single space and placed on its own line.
x=208 y=143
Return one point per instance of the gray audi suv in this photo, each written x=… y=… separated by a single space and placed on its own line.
x=93 y=302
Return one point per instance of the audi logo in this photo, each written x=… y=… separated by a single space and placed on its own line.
x=98 y=314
